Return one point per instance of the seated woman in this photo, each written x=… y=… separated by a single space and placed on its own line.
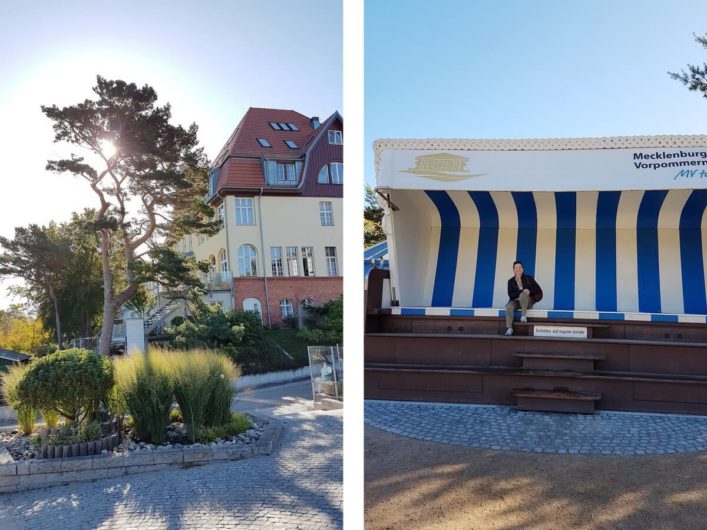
x=523 y=292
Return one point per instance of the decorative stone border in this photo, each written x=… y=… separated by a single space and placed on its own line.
x=42 y=473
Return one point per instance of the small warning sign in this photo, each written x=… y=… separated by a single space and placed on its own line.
x=564 y=332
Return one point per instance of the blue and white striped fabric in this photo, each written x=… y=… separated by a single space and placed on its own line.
x=607 y=251
x=539 y=313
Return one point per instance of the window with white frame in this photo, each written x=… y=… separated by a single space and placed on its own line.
x=323 y=177
x=202 y=238
x=336 y=137
x=212 y=264
x=223 y=260
x=247 y=261
x=337 y=173
x=276 y=261
x=331 y=266
x=292 y=264
x=244 y=211
x=221 y=213
x=326 y=213
x=286 y=308
x=308 y=261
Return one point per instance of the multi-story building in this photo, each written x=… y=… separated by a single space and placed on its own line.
x=277 y=187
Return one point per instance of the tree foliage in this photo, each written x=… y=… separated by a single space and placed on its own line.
x=372 y=217
x=22 y=333
x=40 y=257
x=149 y=186
x=238 y=334
x=695 y=77
x=141 y=302
x=80 y=288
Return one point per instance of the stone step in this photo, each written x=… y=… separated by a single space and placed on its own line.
x=579 y=362
x=555 y=401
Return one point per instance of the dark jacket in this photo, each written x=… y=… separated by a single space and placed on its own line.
x=528 y=283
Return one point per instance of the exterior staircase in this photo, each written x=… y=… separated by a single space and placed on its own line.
x=160 y=314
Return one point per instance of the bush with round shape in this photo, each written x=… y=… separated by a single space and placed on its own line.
x=71 y=382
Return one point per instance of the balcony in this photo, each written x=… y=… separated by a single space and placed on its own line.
x=218 y=281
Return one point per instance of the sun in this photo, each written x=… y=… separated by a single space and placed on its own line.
x=107 y=148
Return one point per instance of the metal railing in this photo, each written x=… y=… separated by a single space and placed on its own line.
x=218 y=281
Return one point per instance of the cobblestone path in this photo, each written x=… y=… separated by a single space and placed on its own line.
x=504 y=428
x=298 y=486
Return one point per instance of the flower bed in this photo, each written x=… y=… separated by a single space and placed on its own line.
x=161 y=400
x=139 y=458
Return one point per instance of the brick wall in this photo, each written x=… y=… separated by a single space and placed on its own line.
x=295 y=289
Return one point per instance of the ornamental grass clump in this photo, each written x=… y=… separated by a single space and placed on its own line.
x=203 y=387
x=144 y=389
x=26 y=413
x=71 y=382
x=223 y=375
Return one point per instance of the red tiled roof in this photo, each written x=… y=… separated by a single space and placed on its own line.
x=255 y=124
x=240 y=160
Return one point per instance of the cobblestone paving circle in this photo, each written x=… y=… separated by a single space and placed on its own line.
x=298 y=486
x=504 y=428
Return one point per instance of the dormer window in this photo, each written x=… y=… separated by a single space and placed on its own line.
x=290 y=144
x=263 y=142
x=336 y=137
x=292 y=127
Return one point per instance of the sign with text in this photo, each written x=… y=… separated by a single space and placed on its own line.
x=557 y=170
x=563 y=332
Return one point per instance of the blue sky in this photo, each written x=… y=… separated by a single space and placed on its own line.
x=522 y=69
x=211 y=60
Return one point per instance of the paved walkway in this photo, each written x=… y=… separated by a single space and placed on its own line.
x=504 y=428
x=299 y=486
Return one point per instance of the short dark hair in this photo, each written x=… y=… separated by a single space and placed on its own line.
x=516 y=262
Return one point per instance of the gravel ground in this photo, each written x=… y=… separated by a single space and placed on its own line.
x=417 y=484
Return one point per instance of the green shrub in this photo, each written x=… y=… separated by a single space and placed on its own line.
x=175 y=416
x=71 y=382
x=203 y=387
x=69 y=435
x=331 y=329
x=90 y=431
x=26 y=417
x=26 y=413
x=51 y=417
x=236 y=424
x=223 y=375
x=192 y=388
x=144 y=385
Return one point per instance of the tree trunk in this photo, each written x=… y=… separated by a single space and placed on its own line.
x=59 y=340
x=108 y=308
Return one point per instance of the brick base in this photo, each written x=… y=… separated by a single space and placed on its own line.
x=294 y=289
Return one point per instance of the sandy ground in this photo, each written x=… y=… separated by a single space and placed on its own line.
x=413 y=484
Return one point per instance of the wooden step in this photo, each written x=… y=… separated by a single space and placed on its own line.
x=579 y=362
x=555 y=401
